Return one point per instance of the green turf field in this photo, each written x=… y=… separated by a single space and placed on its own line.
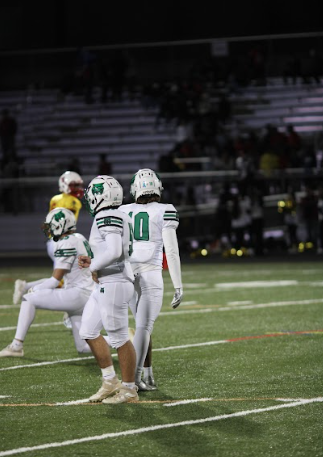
x=239 y=366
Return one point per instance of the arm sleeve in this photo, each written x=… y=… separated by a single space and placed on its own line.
x=172 y=254
x=111 y=253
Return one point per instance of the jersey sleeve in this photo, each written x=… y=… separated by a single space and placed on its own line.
x=109 y=224
x=65 y=253
x=170 y=218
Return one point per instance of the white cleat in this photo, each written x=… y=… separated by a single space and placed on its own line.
x=67 y=321
x=10 y=351
x=125 y=395
x=20 y=290
x=108 y=388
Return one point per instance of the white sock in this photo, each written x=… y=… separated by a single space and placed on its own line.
x=148 y=371
x=138 y=374
x=17 y=344
x=130 y=385
x=108 y=373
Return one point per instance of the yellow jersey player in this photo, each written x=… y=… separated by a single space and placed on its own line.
x=71 y=187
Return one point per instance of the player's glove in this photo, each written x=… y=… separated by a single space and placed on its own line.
x=178 y=295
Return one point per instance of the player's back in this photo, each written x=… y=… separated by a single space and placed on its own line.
x=112 y=221
x=148 y=222
x=66 y=201
x=66 y=254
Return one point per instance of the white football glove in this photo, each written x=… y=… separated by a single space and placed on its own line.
x=178 y=295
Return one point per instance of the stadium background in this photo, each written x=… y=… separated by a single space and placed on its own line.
x=38 y=40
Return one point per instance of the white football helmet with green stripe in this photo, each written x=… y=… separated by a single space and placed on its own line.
x=103 y=192
x=145 y=182
x=58 y=222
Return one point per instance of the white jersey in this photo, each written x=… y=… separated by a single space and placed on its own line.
x=66 y=253
x=149 y=220
x=112 y=221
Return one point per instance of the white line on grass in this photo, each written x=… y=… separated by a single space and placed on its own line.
x=9 y=306
x=255 y=284
x=187 y=402
x=2 y=329
x=158 y=427
x=205 y=310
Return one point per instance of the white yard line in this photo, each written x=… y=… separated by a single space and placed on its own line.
x=255 y=284
x=205 y=310
x=9 y=306
x=158 y=427
x=48 y=324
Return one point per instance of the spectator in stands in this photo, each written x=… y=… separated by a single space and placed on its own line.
x=118 y=74
x=257 y=221
x=313 y=68
x=224 y=109
x=318 y=148
x=320 y=220
x=74 y=165
x=294 y=145
x=257 y=65
x=292 y=70
x=8 y=131
x=104 y=75
x=223 y=217
x=104 y=167
x=309 y=212
x=288 y=208
x=241 y=219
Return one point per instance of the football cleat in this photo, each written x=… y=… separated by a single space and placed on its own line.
x=67 y=321
x=125 y=395
x=108 y=388
x=19 y=291
x=150 y=382
x=10 y=351
x=143 y=387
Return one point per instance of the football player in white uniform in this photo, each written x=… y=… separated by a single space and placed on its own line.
x=154 y=226
x=111 y=243
x=70 y=185
x=60 y=225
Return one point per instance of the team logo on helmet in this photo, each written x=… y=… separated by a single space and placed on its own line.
x=98 y=189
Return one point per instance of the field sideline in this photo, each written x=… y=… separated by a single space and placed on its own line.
x=238 y=366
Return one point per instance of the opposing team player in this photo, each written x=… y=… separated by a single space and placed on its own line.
x=70 y=185
x=111 y=243
x=154 y=226
x=60 y=225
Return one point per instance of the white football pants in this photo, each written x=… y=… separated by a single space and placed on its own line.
x=108 y=307
x=71 y=301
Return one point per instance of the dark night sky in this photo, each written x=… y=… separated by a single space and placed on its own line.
x=64 y=23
